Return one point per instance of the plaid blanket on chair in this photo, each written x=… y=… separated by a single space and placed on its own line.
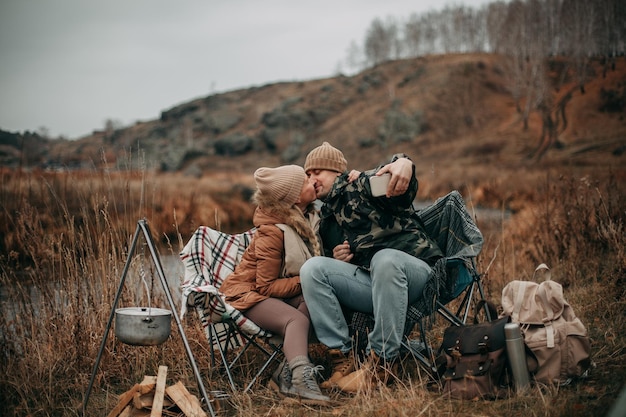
x=449 y=223
x=209 y=257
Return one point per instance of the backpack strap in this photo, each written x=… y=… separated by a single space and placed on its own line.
x=490 y=309
x=519 y=299
x=549 y=318
x=547 y=321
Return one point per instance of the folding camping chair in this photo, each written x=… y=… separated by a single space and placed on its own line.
x=449 y=223
x=209 y=257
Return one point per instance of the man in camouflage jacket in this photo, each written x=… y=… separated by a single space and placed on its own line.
x=378 y=260
x=368 y=224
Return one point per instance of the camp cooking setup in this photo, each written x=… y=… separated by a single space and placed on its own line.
x=537 y=338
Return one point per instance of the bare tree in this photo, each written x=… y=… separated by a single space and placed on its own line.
x=429 y=32
x=611 y=30
x=467 y=29
x=112 y=124
x=512 y=44
x=393 y=34
x=537 y=85
x=413 y=33
x=380 y=42
x=495 y=20
x=355 y=59
x=477 y=27
x=445 y=27
x=552 y=11
x=578 y=18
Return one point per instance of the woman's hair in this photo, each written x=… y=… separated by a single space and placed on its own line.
x=292 y=216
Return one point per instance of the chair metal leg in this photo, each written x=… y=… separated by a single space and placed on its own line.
x=231 y=334
x=223 y=350
x=426 y=358
x=276 y=351
x=482 y=297
x=271 y=355
x=211 y=335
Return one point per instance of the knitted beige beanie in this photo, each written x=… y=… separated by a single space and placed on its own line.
x=283 y=183
x=325 y=156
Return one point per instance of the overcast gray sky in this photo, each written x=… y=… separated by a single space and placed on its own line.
x=69 y=65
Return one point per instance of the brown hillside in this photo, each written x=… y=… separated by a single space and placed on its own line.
x=453 y=114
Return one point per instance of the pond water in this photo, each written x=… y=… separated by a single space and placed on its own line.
x=33 y=299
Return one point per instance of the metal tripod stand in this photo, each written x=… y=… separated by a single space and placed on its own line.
x=142 y=227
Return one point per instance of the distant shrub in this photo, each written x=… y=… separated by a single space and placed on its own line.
x=415 y=75
x=613 y=100
x=236 y=144
x=399 y=126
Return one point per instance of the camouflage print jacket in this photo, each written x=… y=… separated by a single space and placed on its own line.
x=369 y=224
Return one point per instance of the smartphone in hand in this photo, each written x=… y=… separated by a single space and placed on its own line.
x=379 y=184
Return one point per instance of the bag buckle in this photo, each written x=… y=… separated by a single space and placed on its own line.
x=483 y=350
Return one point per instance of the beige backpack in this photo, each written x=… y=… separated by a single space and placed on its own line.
x=555 y=336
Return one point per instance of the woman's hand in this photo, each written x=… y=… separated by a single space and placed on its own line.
x=342 y=252
x=353 y=175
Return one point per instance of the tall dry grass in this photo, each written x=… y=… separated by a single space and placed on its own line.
x=65 y=239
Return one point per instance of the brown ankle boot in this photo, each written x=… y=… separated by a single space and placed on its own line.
x=343 y=364
x=373 y=371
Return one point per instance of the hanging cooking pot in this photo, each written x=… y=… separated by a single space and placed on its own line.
x=142 y=326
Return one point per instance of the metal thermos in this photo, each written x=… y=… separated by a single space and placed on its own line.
x=517 y=356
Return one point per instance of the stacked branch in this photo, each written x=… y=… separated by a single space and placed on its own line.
x=151 y=398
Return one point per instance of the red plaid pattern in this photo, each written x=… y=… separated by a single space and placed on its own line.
x=209 y=257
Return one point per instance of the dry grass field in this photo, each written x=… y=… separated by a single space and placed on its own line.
x=65 y=238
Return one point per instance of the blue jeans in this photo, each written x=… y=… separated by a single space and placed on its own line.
x=395 y=281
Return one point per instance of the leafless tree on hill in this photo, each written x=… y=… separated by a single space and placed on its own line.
x=446 y=30
x=554 y=119
x=496 y=14
x=381 y=42
x=574 y=28
x=355 y=59
x=579 y=22
x=612 y=30
x=553 y=25
x=512 y=44
x=414 y=33
x=531 y=34
x=420 y=35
